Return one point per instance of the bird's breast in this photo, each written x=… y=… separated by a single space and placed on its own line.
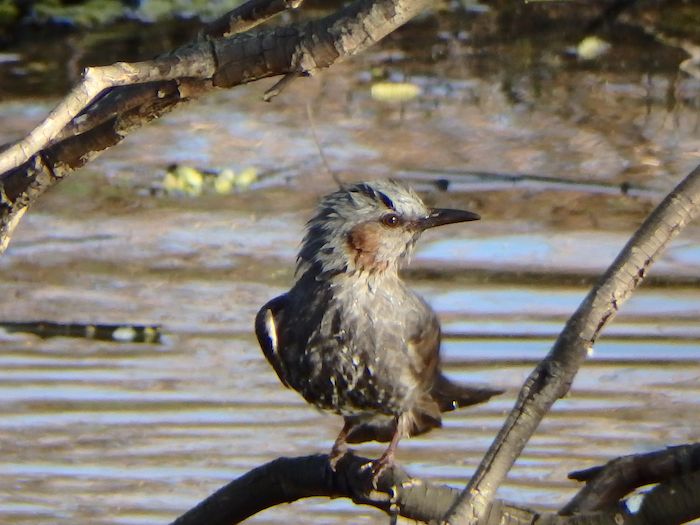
x=351 y=351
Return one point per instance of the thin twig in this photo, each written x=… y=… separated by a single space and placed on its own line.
x=324 y=159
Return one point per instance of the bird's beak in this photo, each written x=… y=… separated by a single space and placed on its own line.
x=442 y=216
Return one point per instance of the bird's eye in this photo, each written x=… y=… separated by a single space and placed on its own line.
x=391 y=219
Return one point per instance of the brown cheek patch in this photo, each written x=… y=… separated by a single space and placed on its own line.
x=363 y=241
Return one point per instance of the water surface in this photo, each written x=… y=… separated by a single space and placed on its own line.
x=123 y=433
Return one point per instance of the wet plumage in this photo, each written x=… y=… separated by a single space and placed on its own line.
x=350 y=336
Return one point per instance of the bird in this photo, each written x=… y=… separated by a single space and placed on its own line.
x=350 y=336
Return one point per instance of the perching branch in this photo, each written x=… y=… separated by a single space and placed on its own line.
x=552 y=378
x=288 y=479
x=285 y=480
x=115 y=100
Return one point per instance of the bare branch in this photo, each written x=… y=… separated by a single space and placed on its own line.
x=673 y=502
x=606 y=485
x=38 y=161
x=247 y=16
x=285 y=480
x=288 y=479
x=192 y=61
x=553 y=376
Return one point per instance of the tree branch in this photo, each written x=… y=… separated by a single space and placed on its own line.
x=288 y=479
x=553 y=376
x=108 y=105
x=285 y=480
x=247 y=16
x=607 y=484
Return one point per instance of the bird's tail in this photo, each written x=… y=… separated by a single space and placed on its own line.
x=449 y=395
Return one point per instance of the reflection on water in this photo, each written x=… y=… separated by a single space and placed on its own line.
x=97 y=432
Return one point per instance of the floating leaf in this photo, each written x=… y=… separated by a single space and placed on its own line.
x=194 y=182
x=247 y=177
x=223 y=183
x=394 y=92
x=591 y=48
x=171 y=183
x=192 y=179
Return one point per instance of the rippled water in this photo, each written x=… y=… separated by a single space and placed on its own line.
x=99 y=432
x=129 y=433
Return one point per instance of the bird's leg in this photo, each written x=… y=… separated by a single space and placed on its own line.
x=387 y=459
x=340 y=447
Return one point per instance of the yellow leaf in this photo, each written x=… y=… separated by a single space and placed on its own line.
x=247 y=177
x=223 y=183
x=171 y=183
x=591 y=48
x=394 y=91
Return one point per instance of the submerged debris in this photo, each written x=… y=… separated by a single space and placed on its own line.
x=394 y=92
x=121 y=333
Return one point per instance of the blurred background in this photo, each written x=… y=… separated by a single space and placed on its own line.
x=563 y=124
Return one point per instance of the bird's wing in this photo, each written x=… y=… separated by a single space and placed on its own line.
x=266 y=329
x=448 y=395
x=424 y=344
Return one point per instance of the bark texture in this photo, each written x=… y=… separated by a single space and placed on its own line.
x=552 y=378
x=285 y=480
x=113 y=101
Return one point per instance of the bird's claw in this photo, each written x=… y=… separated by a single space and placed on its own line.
x=377 y=467
x=366 y=466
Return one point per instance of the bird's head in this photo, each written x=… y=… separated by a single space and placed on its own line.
x=369 y=227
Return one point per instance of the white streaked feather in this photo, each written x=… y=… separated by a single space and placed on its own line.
x=271 y=330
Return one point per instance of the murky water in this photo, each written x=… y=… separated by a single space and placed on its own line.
x=98 y=432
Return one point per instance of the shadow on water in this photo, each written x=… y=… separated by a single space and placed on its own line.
x=562 y=157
